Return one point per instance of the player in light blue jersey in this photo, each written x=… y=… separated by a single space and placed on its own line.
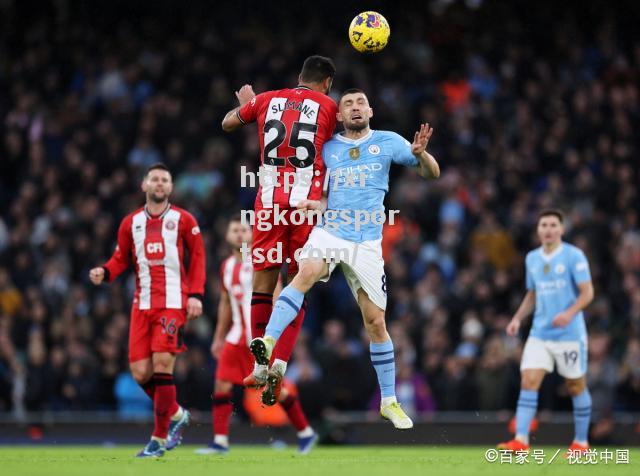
x=358 y=162
x=558 y=289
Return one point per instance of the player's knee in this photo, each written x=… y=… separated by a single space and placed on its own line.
x=141 y=370
x=308 y=274
x=529 y=382
x=575 y=387
x=141 y=373
x=222 y=386
x=376 y=326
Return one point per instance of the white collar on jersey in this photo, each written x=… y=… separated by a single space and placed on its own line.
x=553 y=254
x=164 y=212
x=342 y=138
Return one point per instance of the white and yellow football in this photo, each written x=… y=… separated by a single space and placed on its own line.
x=369 y=32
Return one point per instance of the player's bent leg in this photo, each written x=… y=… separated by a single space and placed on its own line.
x=383 y=360
x=526 y=408
x=264 y=284
x=170 y=419
x=307 y=438
x=284 y=312
x=221 y=409
x=581 y=399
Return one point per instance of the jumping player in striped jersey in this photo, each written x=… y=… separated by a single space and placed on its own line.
x=293 y=125
x=230 y=347
x=153 y=239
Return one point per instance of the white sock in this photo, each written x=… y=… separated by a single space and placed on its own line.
x=306 y=433
x=280 y=366
x=388 y=401
x=581 y=443
x=222 y=440
x=523 y=439
x=177 y=415
x=260 y=371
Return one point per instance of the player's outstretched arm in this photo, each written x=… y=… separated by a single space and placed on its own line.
x=428 y=166
x=232 y=120
x=525 y=309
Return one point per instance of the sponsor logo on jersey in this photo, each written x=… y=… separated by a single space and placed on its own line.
x=581 y=266
x=154 y=248
x=195 y=230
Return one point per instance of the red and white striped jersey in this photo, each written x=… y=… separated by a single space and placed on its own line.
x=155 y=247
x=237 y=279
x=293 y=125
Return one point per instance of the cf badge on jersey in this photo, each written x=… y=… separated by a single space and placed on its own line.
x=354 y=153
x=546 y=269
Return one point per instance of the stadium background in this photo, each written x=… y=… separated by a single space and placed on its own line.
x=531 y=108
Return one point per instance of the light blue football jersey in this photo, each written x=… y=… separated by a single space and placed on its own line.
x=555 y=280
x=358 y=179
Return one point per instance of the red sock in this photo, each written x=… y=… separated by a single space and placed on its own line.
x=292 y=406
x=164 y=403
x=261 y=304
x=221 y=413
x=149 y=388
x=286 y=343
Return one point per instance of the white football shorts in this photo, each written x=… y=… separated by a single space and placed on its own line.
x=570 y=357
x=362 y=263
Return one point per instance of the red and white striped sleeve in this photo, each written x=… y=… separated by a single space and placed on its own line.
x=192 y=237
x=121 y=258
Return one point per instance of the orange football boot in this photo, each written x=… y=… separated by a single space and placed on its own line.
x=513 y=445
x=576 y=448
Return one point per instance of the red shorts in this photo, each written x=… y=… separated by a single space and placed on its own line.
x=283 y=239
x=156 y=330
x=235 y=363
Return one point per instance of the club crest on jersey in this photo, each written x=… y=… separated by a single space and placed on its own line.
x=374 y=149
x=560 y=268
x=354 y=153
x=546 y=268
x=170 y=225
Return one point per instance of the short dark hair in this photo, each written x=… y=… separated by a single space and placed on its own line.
x=316 y=69
x=236 y=217
x=351 y=91
x=551 y=212
x=157 y=166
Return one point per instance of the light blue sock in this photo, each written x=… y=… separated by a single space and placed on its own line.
x=525 y=411
x=284 y=311
x=384 y=363
x=582 y=415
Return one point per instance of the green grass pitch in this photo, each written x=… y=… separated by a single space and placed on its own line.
x=323 y=461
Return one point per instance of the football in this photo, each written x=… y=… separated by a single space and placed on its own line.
x=369 y=32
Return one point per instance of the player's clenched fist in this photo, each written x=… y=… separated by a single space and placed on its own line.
x=245 y=94
x=96 y=275
x=194 y=308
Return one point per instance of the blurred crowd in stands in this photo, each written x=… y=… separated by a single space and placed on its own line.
x=531 y=109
